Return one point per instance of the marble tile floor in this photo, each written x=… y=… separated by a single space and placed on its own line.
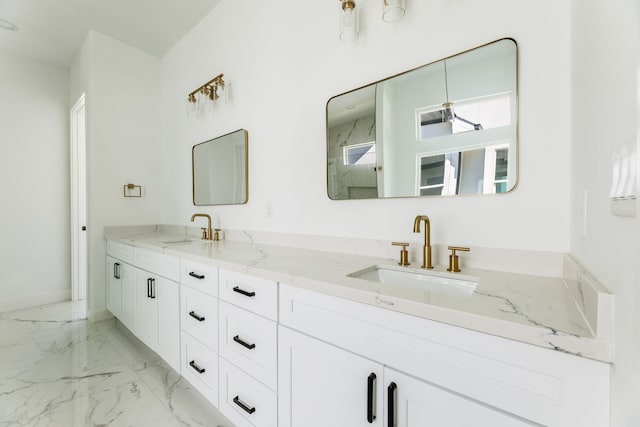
x=58 y=369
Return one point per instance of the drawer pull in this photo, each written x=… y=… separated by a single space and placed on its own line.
x=196 y=275
x=196 y=367
x=371 y=398
x=195 y=316
x=153 y=288
x=391 y=404
x=244 y=406
x=243 y=292
x=243 y=343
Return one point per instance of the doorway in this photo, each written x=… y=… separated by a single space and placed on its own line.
x=78 y=154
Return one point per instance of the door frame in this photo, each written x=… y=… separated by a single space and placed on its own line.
x=78 y=174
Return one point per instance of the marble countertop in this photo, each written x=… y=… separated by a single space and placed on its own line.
x=532 y=309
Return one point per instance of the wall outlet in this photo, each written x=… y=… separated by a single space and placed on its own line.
x=268 y=210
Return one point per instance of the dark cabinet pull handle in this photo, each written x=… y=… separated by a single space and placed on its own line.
x=244 y=407
x=153 y=288
x=195 y=316
x=116 y=270
x=149 y=287
x=371 y=398
x=196 y=367
x=243 y=343
x=243 y=292
x=391 y=404
x=196 y=275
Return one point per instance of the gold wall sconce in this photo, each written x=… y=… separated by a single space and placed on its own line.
x=392 y=11
x=348 y=21
x=203 y=98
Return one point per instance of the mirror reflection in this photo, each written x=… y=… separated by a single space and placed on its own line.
x=447 y=128
x=220 y=170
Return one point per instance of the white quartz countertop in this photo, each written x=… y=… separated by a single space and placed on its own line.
x=531 y=309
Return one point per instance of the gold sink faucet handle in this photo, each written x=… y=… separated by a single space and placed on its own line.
x=404 y=254
x=216 y=234
x=453 y=258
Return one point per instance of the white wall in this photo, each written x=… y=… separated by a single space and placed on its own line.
x=34 y=175
x=605 y=116
x=285 y=62
x=122 y=86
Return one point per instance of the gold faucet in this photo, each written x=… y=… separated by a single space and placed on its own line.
x=206 y=232
x=426 y=249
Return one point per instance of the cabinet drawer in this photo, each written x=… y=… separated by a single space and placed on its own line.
x=199 y=276
x=250 y=342
x=200 y=316
x=200 y=367
x=251 y=293
x=245 y=401
x=163 y=265
x=120 y=250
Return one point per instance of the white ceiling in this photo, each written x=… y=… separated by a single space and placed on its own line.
x=53 y=30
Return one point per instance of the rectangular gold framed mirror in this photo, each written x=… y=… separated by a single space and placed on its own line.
x=447 y=128
x=220 y=170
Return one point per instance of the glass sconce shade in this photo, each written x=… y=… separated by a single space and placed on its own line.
x=393 y=10
x=348 y=21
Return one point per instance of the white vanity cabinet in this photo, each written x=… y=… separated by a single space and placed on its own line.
x=443 y=375
x=344 y=389
x=410 y=402
x=121 y=283
x=157 y=304
x=322 y=385
x=143 y=293
x=248 y=349
x=199 y=324
x=158 y=315
x=114 y=286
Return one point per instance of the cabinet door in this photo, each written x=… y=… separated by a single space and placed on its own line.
x=410 y=402
x=168 y=299
x=321 y=385
x=114 y=286
x=146 y=308
x=128 y=279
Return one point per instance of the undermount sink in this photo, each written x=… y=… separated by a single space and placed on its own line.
x=417 y=279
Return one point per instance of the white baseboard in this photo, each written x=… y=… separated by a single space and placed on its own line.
x=34 y=300
x=97 y=316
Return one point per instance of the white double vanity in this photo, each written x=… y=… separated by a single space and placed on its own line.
x=282 y=336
